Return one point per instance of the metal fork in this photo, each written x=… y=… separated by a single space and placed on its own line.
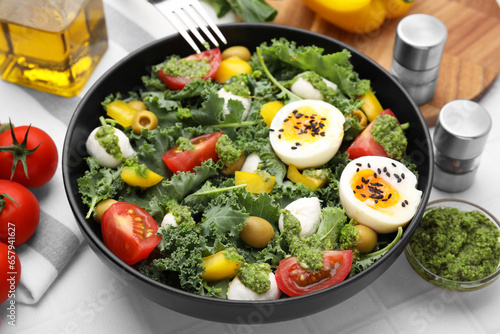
x=189 y=15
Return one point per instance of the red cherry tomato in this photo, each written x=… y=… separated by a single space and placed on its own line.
x=364 y=144
x=129 y=232
x=10 y=271
x=41 y=164
x=213 y=57
x=293 y=280
x=185 y=161
x=19 y=218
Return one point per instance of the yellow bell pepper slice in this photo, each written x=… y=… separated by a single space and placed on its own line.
x=121 y=112
x=269 y=110
x=256 y=184
x=362 y=120
x=230 y=67
x=133 y=177
x=359 y=16
x=309 y=182
x=372 y=106
x=219 y=267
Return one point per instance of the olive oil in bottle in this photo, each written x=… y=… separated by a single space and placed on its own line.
x=51 y=45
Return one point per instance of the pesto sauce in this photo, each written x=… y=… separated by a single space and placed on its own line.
x=255 y=276
x=457 y=245
x=317 y=173
x=232 y=255
x=107 y=138
x=317 y=82
x=309 y=250
x=181 y=67
x=387 y=132
x=263 y=174
x=184 y=144
x=226 y=150
x=238 y=87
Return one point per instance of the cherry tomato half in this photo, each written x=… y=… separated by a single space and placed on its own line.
x=129 y=232
x=10 y=271
x=19 y=219
x=41 y=164
x=293 y=280
x=364 y=144
x=185 y=161
x=213 y=57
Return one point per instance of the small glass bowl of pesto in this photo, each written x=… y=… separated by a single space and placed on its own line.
x=456 y=246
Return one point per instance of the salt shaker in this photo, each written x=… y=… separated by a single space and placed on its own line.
x=418 y=47
x=459 y=138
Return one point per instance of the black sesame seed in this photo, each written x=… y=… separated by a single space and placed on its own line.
x=385 y=169
x=272 y=130
x=375 y=175
x=376 y=201
x=359 y=186
x=279 y=136
x=285 y=120
x=358 y=164
x=379 y=171
x=393 y=164
x=363 y=195
x=403 y=204
x=281 y=130
x=402 y=175
x=388 y=174
x=390 y=195
x=406 y=201
x=357 y=170
x=369 y=166
x=294 y=147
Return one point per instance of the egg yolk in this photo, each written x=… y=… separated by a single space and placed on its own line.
x=304 y=125
x=367 y=185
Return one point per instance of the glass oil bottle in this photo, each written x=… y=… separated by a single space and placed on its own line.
x=51 y=45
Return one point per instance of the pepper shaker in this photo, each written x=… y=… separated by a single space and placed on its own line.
x=459 y=138
x=420 y=39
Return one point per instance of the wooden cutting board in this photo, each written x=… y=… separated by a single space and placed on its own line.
x=471 y=58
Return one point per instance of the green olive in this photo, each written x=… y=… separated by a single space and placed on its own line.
x=101 y=207
x=229 y=169
x=257 y=232
x=240 y=52
x=138 y=105
x=144 y=119
x=367 y=239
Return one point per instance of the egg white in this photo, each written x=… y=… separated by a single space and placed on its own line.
x=368 y=212
x=246 y=101
x=308 y=211
x=314 y=149
x=306 y=90
x=238 y=291
x=105 y=159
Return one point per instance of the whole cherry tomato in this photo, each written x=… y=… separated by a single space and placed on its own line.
x=19 y=213
x=28 y=155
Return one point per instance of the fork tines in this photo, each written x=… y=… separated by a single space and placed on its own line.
x=187 y=16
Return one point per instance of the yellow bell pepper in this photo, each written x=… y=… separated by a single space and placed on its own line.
x=309 y=182
x=359 y=16
x=372 y=106
x=269 y=110
x=121 y=112
x=256 y=184
x=230 y=67
x=132 y=177
x=362 y=119
x=219 y=267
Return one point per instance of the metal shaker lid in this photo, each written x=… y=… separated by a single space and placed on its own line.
x=419 y=42
x=462 y=129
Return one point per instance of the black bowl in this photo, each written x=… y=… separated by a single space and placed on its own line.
x=125 y=76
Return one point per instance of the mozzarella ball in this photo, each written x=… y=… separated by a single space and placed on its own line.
x=169 y=219
x=251 y=163
x=379 y=192
x=238 y=291
x=308 y=211
x=105 y=159
x=307 y=133
x=246 y=101
x=306 y=90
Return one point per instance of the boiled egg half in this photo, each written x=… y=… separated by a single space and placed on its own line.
x=379 y=192
x=307 y=133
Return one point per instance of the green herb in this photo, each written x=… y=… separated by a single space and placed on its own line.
x=387 y=132
x=248 y=10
